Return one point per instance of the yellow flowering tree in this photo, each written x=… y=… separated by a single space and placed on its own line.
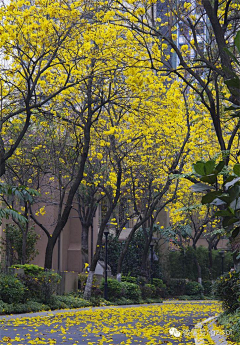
x=193 y=41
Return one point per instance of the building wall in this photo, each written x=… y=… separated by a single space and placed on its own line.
x=67 y=252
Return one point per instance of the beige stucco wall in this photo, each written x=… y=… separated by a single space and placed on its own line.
x=70 y=242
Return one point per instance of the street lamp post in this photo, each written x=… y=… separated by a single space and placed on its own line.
x=221 y=253
x=106 y=233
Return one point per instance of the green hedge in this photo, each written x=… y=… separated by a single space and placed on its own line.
x=227 y=289
x=182 y=263
x=231 y=323
x=118 y=290
x=41 y=286
x=193 y=288
x=176 y=287
x=12 y=290
x=181 y=287
x=32 y=270
x=131 y=291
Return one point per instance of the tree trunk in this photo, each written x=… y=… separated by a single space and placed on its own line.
x=49 y=254
x=88 y=287
x=144 y=270
x=84 y=249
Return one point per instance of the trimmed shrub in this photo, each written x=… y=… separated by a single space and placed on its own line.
x=29 y=306
x=68 y=302
x=123 y=301
x=176 y=287
x=11 y=289
x=193 y=288
x=42 y=286
x=159 y=283
x=227 y=289
x=182 y=263
x=32 y=270
x=160 y=288
x=129 y=279
x=82 y=279
x=115 y=289
x=131 y=291
x=148 y=291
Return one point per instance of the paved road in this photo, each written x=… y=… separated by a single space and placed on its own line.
x=167 y=323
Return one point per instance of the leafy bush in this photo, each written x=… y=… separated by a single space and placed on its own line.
x=42 y=286
x=193 y=288
x=32 y=270
x=131 y=291
x=82 y=279
x=133 y=258
x=231 y=323
x=176 y=287
x=161 y=289
x=59 y=302
x=148 y=291
x=11 y=289
x=29 y=306
x=115 y=289
x=159 y=283
x=12 y=243
x=207 y=285
x=129 y=279
x=227 y=289
x=182 y=263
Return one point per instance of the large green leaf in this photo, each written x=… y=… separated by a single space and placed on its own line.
x=209 y=197
x=224 y=213
x=235 y=82
x=209 y=167
x=234 y=192
x=236 y=169
x=225 y=197
x=232 y=55
x=237 y=41
x=229 y=221
x=235 y=232
x=199 y=168
x=211 y=179
x=220 y=166
x=235 y=204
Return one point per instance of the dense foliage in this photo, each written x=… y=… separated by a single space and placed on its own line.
x=133 y=258
x=227 y=289
x=182 y=263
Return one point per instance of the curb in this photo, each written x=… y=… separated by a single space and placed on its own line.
x=211 y=335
